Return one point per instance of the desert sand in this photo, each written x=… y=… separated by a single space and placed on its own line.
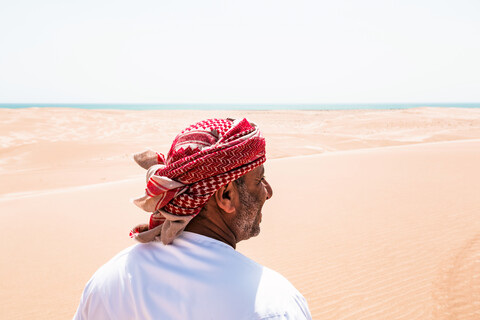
x=375 y=214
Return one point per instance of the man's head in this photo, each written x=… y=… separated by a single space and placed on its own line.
x=203 y=159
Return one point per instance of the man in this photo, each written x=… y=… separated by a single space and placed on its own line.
x=205 y=197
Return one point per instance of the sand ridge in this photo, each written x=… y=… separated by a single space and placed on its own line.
x=60 y=147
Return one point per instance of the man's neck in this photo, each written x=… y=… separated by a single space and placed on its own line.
x=210 y=224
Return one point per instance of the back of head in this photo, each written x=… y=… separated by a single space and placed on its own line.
x=203 y=158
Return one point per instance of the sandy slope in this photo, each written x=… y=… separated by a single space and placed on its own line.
x=55 y=148
x=388 y=233
x=383 y=223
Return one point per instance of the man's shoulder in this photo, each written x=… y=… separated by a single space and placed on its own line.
x=222 y=280
x=277 y=298
x=189 y=254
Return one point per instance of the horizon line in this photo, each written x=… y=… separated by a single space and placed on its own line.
x=232 y=104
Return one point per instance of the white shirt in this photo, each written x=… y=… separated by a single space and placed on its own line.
x=195 y=277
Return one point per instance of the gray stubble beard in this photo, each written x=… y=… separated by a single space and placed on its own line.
x=247 y=219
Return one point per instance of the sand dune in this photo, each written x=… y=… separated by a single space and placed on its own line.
x=375 y=214
x=56 y=148
x=376 y=234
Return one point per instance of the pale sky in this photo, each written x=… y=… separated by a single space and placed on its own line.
x=203 y=51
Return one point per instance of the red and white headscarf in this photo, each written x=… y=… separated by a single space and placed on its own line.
x=203 y=158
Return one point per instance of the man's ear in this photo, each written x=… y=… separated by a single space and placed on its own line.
x=226 y=197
